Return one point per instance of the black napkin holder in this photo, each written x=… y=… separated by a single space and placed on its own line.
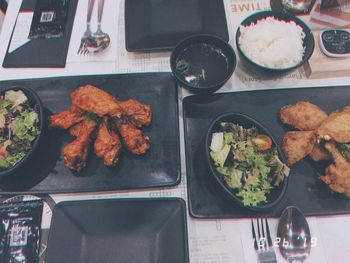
x=42 y=52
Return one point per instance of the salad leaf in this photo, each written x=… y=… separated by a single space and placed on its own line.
x=25 y=126
x=233 y=176
x=217 y=141
x=255 y=159
x=219 y=158
x=11 y=160
x=92 y=116
x=229 y=137
x=280 y=170
x=344 y=149
x=252 y=197
x=18 y=127
x=2 y=120
x=15 y=97
x=4 y=104
x=253 y=178
x=17 y=145
x=250 y=170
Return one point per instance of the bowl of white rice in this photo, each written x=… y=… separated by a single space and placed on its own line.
x=274 y=42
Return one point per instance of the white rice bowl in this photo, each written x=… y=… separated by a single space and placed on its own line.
x=273 y=43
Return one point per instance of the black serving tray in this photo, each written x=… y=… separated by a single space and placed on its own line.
x=119 y=230
x=305 y=190
x=160 y=166
x=156 y=25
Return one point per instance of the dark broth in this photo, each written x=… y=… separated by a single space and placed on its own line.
x=202 y=65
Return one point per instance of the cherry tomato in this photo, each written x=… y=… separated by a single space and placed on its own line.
x=262 y=142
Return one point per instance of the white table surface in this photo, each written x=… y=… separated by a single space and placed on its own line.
x=210 y=241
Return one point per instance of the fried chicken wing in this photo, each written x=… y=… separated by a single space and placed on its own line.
x=92 y=99
x=66 y=119
x=337 y=175
x=138 y=114
x=75 y=153
x=107 y=144
x=76 y=129
x=297 y=144
x=318 y=153
x=336 y=127
x=133 y=139
x=303 y=115
x=88 y=104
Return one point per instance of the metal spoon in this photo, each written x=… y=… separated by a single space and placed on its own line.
x=294 y=232
x=98 y=40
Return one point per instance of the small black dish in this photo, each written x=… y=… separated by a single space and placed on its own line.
x=159 y=25
x=245 y=121
x=35 y=103
x=147 y=230
x=211 y=62
x=308 y=42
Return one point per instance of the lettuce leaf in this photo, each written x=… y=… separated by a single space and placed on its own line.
x=220 y=157
x=11 y=160
x=16 y=97
x=25 y=126
x=344 y=148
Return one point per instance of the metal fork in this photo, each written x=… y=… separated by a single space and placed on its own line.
x=82 y=48
x=263 y=244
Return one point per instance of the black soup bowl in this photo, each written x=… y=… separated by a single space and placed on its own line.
x=276 y=194
x=202 y=63
x=36 y=104
x=308 y=42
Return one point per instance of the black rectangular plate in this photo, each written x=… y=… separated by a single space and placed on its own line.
x=207 y=200
x=160 y=166
x=156 y=25
x=119 y=230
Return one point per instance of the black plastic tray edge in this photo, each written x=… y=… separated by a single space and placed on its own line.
x=176 y=182
x=199 y=216
x=160 y=49
x=177 y=199
x=192 y=214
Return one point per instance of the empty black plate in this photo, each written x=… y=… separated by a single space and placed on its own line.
x=155 y=25
x=119 y=230
x=305 y=190
x=160 y=166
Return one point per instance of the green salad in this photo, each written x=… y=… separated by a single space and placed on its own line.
x=344 y=149
x=247 y=161
x=19 y=127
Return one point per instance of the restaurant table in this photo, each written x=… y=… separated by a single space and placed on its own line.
x=210 y=240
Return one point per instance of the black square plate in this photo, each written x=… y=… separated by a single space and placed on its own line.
x=305 y=190
x=160 y=166
x=119 y=230
x=155 y=25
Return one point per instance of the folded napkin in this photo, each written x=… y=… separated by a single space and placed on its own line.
x=109 y=24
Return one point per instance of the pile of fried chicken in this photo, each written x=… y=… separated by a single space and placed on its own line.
x=97 y=115
x=318 y=136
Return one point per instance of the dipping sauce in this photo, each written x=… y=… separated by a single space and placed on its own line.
x=202 y=65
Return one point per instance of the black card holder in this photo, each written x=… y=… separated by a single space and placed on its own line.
x=42 y=52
